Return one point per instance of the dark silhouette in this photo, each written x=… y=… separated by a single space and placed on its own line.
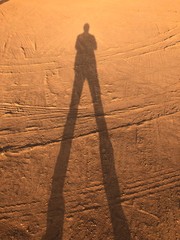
x=85 y=68
x=3 y=1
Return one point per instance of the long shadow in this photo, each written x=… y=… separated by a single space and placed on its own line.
x=3 y=1
x=85 y=68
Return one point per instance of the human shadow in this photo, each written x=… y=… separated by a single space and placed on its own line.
x=3 y=1
x=85 y=68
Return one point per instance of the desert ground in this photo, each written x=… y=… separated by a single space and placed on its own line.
x=92 y=156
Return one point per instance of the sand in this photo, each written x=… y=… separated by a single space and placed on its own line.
x=104 y=164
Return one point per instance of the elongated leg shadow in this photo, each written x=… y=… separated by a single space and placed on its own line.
x=55 y=215
x=110 y=180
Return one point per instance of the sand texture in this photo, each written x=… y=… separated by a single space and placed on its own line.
x=89 y=142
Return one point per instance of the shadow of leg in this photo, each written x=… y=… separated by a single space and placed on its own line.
x=110 y=180
x=56 y=205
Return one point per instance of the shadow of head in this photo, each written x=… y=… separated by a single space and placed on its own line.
x=86 y=28
x=3 y=1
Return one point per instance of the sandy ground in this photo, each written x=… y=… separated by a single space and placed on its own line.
x=110 y=170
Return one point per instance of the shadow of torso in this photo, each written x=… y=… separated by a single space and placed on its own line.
x=85 y=56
